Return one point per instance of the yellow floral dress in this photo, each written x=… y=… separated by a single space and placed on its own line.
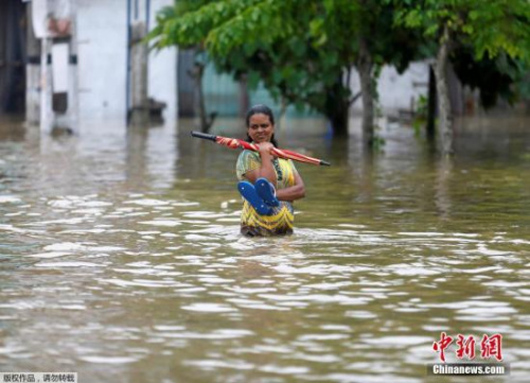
x=282 y=219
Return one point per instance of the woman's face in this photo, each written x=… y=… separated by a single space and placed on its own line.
x=260 y=128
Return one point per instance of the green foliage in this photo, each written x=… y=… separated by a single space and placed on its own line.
x=523 y=87
x=420 y=116
x=490 y=27
x=422 y=108
x=378 y=143
x=490 y=41
x=302 y=50
x=173 y=26
x=501 y=76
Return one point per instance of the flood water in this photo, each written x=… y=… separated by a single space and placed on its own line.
x=121 y=259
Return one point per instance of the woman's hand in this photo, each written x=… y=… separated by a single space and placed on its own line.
x=265 y=148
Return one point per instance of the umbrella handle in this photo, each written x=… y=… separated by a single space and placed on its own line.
x=205 y=136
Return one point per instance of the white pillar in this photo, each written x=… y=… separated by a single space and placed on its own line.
x=32 y=72
x=46 y=114
x=73 y=72
x=54 y=22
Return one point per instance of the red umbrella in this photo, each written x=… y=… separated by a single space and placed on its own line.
x=234 y=143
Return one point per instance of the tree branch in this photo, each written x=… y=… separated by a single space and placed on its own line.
x=352 y=100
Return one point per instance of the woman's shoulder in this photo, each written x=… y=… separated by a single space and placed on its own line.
x=247 y=161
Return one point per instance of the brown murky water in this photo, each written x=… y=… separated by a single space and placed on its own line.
x=120 y=257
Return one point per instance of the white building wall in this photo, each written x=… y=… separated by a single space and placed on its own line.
x=102 y=60
x=397 y=92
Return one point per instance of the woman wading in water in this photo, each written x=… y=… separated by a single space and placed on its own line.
x=268 y=184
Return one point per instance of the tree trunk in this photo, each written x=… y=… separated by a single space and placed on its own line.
x=139 y=74
x=444 y=104
x=337 y=107
x=244 y=97
x=201 y=109
x=339 y=122
x=206 y=121
x=365 y=65
x=282 y=121
x=431 y=107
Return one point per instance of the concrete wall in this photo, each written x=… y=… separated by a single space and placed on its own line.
x=102 y=36
x=397 y=92
x=162 y=75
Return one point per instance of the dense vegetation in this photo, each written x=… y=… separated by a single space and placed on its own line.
x=303 y=51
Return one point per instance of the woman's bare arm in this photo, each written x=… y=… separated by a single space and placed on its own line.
x=292 y=193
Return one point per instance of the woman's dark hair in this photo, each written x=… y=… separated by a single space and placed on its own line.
x=260 y=109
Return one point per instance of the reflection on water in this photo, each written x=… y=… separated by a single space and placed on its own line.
x=120 y=257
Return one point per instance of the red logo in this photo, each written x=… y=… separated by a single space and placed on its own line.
x=466 y=347
x=440 y=346
x=490 y=346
